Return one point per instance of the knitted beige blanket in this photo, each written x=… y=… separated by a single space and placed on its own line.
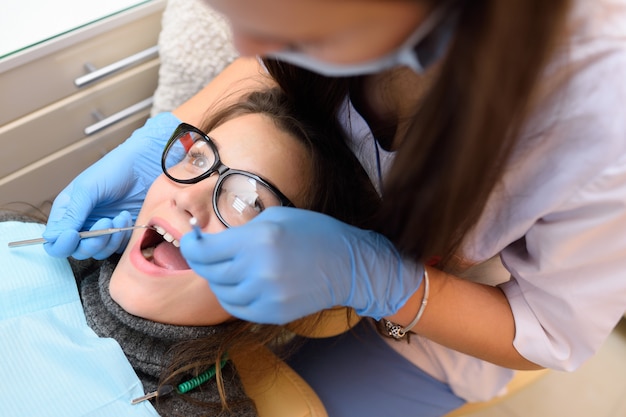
x=194 y=46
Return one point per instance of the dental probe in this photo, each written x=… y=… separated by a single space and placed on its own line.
x=89 y=233
x=194 y=224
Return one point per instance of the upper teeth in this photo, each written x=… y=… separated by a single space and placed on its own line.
x=168 y=237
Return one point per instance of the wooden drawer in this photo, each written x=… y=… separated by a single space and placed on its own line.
x=54 y=127
x=40 y=182
x=40 y=82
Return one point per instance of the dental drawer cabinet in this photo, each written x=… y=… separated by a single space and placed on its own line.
x=71 y=98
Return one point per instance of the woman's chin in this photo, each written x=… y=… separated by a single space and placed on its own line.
x=181 y=297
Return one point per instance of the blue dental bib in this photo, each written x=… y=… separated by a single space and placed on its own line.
x=52 y=364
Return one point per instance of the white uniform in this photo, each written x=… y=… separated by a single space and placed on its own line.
x=557 y=220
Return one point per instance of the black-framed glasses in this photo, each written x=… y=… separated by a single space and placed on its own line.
x=191 y=156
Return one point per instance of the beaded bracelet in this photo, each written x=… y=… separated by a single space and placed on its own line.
x=398 y=332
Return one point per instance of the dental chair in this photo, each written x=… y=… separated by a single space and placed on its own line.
x=281 y=392
x=521 y=380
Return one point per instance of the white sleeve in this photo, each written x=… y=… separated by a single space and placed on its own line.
x=558 y=220
x=569 y=275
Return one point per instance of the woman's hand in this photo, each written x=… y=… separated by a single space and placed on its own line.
x=287 y=263
x=118 y=182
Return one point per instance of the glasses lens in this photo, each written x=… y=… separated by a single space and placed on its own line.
x=241 y=198
x=189 y=156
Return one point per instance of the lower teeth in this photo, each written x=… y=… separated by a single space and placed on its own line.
x=148 y=253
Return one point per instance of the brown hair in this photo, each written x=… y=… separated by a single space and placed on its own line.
x=466 y=124
x=339 y=187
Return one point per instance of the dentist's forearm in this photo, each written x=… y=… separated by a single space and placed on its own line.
x=472 y=318
x=241 y=77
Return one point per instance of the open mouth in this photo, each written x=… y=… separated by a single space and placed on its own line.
x=160 y=248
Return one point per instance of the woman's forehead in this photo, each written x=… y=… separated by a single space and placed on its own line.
x=254 y=143
x=256 y=129
x=255 y=139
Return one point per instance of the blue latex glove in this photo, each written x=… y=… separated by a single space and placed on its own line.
x=118 y=182
x=287 y=263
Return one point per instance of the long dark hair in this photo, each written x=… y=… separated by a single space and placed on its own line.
x=466 y=124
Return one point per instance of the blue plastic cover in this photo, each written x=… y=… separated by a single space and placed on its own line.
x=51 y=362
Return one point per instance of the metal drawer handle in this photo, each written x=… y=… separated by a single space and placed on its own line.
x=119 y=116
x=97 y=74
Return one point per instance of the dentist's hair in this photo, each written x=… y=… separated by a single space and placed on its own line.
x=466 y=124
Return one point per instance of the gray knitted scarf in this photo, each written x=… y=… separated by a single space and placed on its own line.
x=148 y=347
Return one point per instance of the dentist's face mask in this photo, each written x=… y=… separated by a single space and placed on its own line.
x=420 y=50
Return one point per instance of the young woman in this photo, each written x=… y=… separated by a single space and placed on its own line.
x=495 y=130
x=258 y=153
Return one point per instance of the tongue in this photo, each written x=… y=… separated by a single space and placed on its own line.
x=168 y=256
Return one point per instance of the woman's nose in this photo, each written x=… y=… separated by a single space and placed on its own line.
x=197 y=200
